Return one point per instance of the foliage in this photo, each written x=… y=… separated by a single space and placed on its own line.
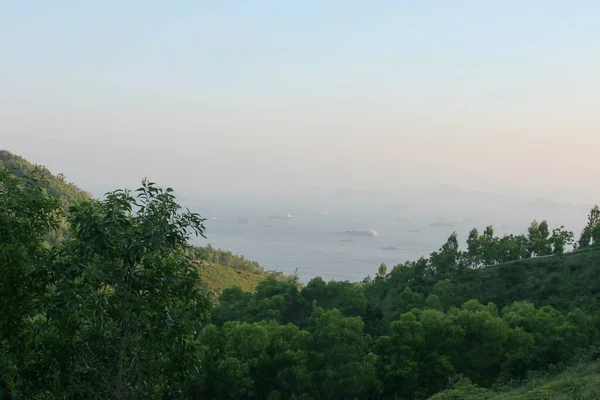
x=122 y=305
x=27 y=215
x=590 y=236
x=117 y=309
x=225 y=258
x=216 y=277
x=55 y=186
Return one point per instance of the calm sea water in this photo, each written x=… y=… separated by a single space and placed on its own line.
x=310 y=245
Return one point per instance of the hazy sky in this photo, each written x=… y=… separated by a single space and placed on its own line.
x=278 y=96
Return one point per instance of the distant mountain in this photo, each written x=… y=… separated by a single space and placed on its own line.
x=435 y=195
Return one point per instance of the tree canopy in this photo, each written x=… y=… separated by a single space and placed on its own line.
x=116 y=309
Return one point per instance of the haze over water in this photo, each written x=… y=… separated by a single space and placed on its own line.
x=309 y=244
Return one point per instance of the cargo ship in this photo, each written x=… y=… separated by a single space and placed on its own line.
x=443 y=223
x=359 y=232
x=282 y=216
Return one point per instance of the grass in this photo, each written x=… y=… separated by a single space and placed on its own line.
x=217 y=277
x=579 y=382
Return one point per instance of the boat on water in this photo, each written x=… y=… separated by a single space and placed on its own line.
x=324 y=213
x=441 y=223
x=414 y=231
x=213 y=218
x=282 y=216
x=269 y=225
x=347 y=241
x=404 y=219
x=389 y=248
x=243 y=221
x=360 y=232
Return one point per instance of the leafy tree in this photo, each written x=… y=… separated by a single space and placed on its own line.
x=560 y=239
x=591 y=233
x=27 y=215
x=538 y=237
x=407 y=367
x=480 y=338
x=447 y=293
x=512 y=247
x=347 y=297
x=125 y=304
x=488 y=245
x=340 y=357
x=474 y=249
x=448 y=257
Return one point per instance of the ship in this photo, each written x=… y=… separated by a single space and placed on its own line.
x=282 y=216
x=243 y=221
x=360 y=232
x=404 y=219
x=324 y=213
x=389 y=248
x=443 y=223
x=347 y=241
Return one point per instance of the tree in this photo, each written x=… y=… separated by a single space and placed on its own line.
x=474 y=249
x=538 y=236
x=590 y=235
x=448 y=257
x=340 y=357
x=489 y=246
x=27 y=214
x=560 y=239
x=125 y=305
x=347 y=297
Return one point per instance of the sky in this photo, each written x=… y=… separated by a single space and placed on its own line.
x=281 y=97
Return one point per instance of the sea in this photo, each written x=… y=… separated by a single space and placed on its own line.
x=309 y=245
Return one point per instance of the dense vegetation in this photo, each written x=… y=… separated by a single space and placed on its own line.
x=64 y=192
x=220 y=269
x=56 y=185
x=116 y=309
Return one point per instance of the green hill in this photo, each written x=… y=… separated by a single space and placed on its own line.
x=218 y=269
x=218 y=277
x=56 y=185
x=564 y=281
x=580 y=381
x=118 y=303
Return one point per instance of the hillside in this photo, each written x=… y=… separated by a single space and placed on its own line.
x=508 y=317
x=564 y=282
x=218 y=269
x=579 y=382
x=56 y=185
x=218 y=277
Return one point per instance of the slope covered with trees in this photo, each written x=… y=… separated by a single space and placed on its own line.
x=56 y=185
x=117 y=310
x=218 y=269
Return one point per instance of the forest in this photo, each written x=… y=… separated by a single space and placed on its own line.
x=114 y=307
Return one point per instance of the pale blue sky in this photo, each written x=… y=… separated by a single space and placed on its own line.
x=274 y=96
